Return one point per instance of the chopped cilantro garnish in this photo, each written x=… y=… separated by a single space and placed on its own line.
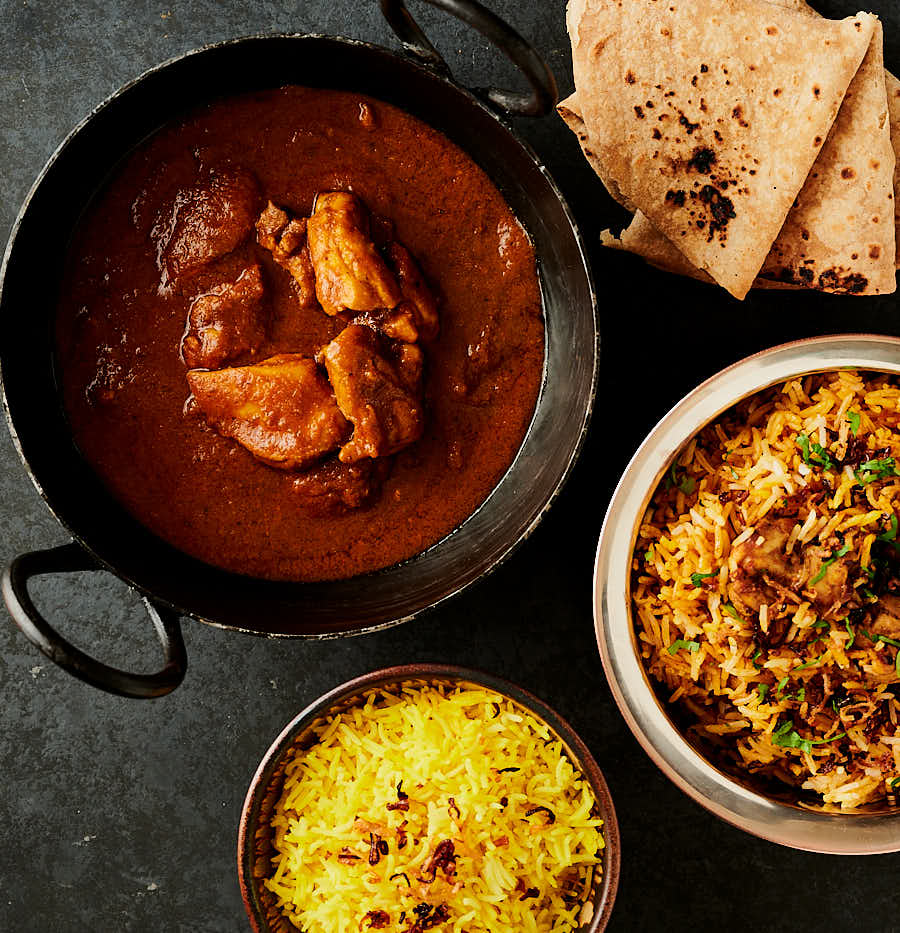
x=820 y=624
x=802 y=667
x=834 y=738
x=762 y=690
x=827 y=563
x=873 y=470
x=884 y=638
x=648 y=554
x=729 y=608
x=890 y=536
x=671 y=475
x=853 y=419
x=786 y=736
x=822 y=570
x=800 y=695
x=827 y=462
x=888 y=641
x=730 y=467
x=680 y=643
x=813 y=453
x=698 y=578
x=894 y=782
x=781 y=685
x=676 y=477
x=851 y=633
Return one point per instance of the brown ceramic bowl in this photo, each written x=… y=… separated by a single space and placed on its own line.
x=254 y=837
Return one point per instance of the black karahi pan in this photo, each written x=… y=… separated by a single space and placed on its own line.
x=105 y=536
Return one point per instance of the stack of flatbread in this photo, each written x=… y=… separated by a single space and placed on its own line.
x=753 y=140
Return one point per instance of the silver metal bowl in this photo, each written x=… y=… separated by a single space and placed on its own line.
x=870 y=830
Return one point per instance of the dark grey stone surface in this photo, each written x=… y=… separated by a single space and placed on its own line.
x=120 y=815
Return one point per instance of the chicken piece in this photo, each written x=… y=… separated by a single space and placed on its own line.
x=760 y=571
x=825 y=582
x=350 y=272
x=416 y=316
x=285 y=238
x=887 y=617
x=205 y=222
x=225 y=322
x=334 y=487
x=397 y=323
x=759 y=565
x=417 y=297
x=282 y=409
x=378 y=388
x=162 y=181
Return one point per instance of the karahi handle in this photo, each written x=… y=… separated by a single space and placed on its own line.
x=70 y=558
x=537 y=102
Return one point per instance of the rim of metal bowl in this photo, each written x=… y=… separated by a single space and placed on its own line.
x=582 y=758
x=795 y=826
x=504 y=120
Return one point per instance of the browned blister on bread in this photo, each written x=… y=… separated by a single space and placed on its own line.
x=707 y=115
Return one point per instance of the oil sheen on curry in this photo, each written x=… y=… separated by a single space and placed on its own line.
x=301 y=335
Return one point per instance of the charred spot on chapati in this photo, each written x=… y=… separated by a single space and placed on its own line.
x=852 y=284
x=720 y=207
x=702 y=160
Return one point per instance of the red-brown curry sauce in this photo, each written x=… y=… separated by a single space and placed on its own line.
x=118 y=336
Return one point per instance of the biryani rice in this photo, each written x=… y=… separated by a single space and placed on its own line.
x=367 y=811
x=818 y=709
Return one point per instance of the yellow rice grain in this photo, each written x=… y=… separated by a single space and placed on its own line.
x=476 y=767
x=738 y=698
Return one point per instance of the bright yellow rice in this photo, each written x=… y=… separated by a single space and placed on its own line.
x=752 y=705
x=476 y=767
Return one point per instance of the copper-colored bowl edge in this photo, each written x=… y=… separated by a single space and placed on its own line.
x=584 y=761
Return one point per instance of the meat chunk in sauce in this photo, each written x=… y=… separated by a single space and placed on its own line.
x=226 y=322
x=762 y=572
x=378 y=388
x=285 y=238
x=418 y=301
x=416 y=316
x=282 y=410
x=205 y=222
x=350 y=272
x=333 y=486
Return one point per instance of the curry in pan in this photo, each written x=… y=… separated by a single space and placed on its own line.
x=300 y=335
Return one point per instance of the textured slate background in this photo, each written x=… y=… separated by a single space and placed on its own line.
x=122 y=815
